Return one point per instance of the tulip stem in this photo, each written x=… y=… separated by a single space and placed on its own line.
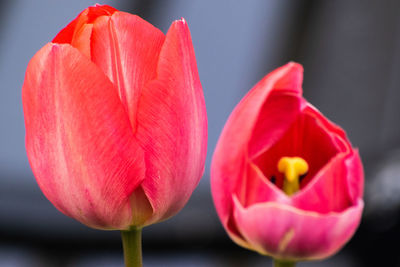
x=278 y=263
x=132 y=245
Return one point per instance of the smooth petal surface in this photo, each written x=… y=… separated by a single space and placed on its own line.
x=259 y=189
x=79 y=139
x=355 y=176
x=115 y=119
x=328 y=189
x=127 y=49
x=87 y=16
x=289 y=233
x=172 y=126
x=231 y=154
x=279 y=111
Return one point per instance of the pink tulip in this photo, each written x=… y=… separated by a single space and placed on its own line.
x=258 y=206
x=116 y=126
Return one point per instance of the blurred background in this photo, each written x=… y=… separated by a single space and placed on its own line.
x=350 y=50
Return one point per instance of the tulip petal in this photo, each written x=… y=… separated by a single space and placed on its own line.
x=328 y=191
x=78 y=138
x=172 y=126
x=82 y=39
x=275 y=118
x=339 y=183
x=127 y=48
x=287 y=233
x=87 y=16
x=260 y=189
x=355 y=176
x=236 y=141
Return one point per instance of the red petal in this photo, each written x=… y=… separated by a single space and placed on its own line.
x=233 y=148
x=291 y=80
x=81 y=40
x=127 y=48
x=97 y=11
x=78 y=138
x=172 y=126
x=88 y=15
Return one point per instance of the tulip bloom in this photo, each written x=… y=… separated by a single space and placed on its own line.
x=286 y=181
x=116 y=126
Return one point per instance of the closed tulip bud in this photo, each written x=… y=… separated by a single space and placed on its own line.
x=116 y=126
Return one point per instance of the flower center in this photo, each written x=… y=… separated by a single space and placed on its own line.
x=292 y=168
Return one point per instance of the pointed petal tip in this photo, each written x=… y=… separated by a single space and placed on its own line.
x=104 y=7
x=293 y=64
x=180 y=23
x=288 y=77
x=53 y=47
x=45 y=51
x=182 y=20
x=293 y=67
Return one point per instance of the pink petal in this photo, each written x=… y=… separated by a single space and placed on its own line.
x=78 y=138
x=339 y=183
x=355 y=176
x=127 y=48
x=230 y=156
x=327 y=191
x=257 y=188
x=172 y=126
x=292 y=234
x=276 y=116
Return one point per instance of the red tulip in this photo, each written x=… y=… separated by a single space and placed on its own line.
x=286 y=181
x=116 y=125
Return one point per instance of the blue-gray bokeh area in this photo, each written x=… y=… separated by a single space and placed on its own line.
x=350 y=51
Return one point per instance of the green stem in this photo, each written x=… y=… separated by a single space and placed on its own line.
x=279 y=263
x=132 y=244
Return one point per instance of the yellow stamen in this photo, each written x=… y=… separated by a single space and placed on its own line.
x=292 y=168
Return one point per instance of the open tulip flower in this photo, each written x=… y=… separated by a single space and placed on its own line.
x=116 y=126
x=286 y=182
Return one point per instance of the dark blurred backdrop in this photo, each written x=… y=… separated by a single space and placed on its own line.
x=350 y=50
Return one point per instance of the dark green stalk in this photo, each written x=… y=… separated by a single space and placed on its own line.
x=279 y=263
x=132 y=244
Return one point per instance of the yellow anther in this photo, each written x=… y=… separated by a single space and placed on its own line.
x=292 y=168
